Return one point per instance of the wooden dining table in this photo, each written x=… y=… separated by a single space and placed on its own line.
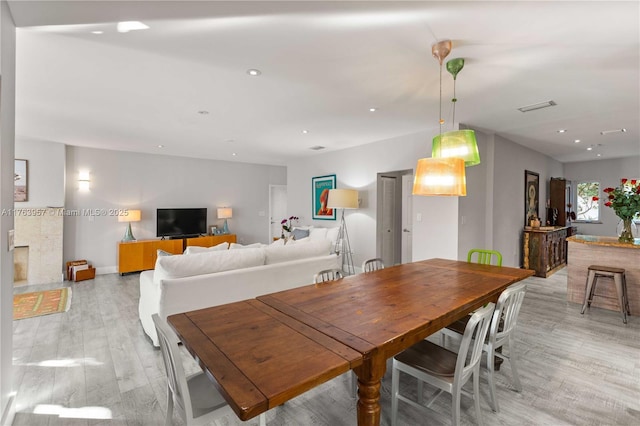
x=265 y=351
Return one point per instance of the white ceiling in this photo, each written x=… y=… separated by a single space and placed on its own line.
x=324 y=64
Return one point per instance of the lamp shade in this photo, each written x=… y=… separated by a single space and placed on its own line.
x=131 y=216
x=440 y=176
x=225 y=213
x=343 y=199
x=459 y=143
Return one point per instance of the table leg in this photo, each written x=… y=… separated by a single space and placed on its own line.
x=369 y=381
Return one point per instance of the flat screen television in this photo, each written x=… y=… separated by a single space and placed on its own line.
x=180 y=223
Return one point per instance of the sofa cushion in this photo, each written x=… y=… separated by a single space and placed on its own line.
x=317 y=234
x=206 y=263
x=234 y=246
x=278 y=254
x=198 y=249
x=299 y=234
x=291 y=241
x=161 y=252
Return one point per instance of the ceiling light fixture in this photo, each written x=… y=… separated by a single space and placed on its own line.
x=590 y=148
x=539 y=105
x=305 y=131
x=576 y=141
x=203 y=112
x=457 y=143
x=598 y=155
x=254 y=72
x=160 y=146
x=97 y=32
x=126 y=26
x=562 y=130
x=440 y=176
x=606 y=132
x=372 y=109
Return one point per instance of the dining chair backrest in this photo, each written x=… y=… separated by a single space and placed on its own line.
x=505 y=316
x=169 y=346
x=328 y=275
x=372 y=265
x=473 y=339
x=485 y=257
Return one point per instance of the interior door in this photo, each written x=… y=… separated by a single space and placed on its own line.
x=407 y=207
x=388 y=220
x=277 y=209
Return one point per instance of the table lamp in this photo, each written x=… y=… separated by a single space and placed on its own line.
x=225 y=213
x=131 y=216
x=344 y=199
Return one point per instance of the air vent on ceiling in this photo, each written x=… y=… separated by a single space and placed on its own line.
x=317 y=148
x=534 y=107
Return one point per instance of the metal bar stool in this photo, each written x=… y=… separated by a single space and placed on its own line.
x=618 y=276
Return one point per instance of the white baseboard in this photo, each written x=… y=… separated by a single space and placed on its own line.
x=103 y=270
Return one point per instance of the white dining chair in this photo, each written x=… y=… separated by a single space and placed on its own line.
x=328 y=275
x=371 y=265
x=501 y=333
x=444 y=369
x=195 y=397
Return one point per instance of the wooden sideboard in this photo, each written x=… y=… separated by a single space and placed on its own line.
x=134 y=256
x=545 y=250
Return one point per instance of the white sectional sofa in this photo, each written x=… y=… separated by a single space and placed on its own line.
x=183 y=283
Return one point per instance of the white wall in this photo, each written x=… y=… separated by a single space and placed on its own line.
x=608 y=173
x=510 y=162
x=147 y=182
x=46 y=170
x=435 y=236
x=7 y=137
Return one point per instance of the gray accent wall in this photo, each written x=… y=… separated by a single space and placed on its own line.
x=121 y=180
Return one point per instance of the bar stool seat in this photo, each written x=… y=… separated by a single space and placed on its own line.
x=618 y=276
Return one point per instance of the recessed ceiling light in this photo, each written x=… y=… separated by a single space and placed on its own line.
x=97 y=32
x=305 y=131
x=589 y=149
x=606 y=132
x=562 y=130
x=598 y=155
x=160 y=146
x=254 y=72
x=539 y=105
x=203 y=112
x=126 y=26
x=372 y=109
x=576 y=141
x=233 y=153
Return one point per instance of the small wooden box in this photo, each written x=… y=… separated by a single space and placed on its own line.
x=86 y=274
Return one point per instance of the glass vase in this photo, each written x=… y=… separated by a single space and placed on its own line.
x=626 y=230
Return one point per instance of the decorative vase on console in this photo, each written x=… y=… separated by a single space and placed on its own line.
x=626 y=230
x=625 y=201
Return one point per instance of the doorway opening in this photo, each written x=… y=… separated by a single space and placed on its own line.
x=394 y=225
x=277 y=209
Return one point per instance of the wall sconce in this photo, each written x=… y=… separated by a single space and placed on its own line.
x=84 y=181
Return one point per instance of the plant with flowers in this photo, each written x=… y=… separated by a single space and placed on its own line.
x=624 y=199
x=287 y=224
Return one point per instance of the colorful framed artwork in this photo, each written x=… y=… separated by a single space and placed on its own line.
x=20 y=182
x=531 y=196
x=320 y=187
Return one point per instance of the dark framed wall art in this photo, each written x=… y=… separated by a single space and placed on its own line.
x=320 y=187
x=531 y=196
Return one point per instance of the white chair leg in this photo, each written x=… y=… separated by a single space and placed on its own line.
x=476 y=394
x=513 y=364
x=491 y=370
x=169 y=419
x=455 y=407
x=263 y=419
x=395 y=384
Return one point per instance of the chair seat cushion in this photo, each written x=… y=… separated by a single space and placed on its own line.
x=431 y=358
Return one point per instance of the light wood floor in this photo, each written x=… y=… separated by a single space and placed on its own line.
x=94 y=364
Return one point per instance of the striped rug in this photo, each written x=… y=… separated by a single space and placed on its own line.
x=29 y=305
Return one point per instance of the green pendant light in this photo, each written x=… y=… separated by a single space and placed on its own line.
x=457 y=143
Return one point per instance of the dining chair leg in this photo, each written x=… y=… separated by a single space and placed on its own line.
x=514 y=365
x=491 y=370
x=455 y=406
x=263 y=419
x=476 y=393
x=169 y=419
x=395 y=384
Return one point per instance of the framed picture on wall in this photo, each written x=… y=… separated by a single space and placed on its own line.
x=531 y=196
x=20 y=181
x=320 y=187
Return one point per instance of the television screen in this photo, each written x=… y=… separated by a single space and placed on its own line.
x=181 y=222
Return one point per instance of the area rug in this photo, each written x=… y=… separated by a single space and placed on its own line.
x=37 y=303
